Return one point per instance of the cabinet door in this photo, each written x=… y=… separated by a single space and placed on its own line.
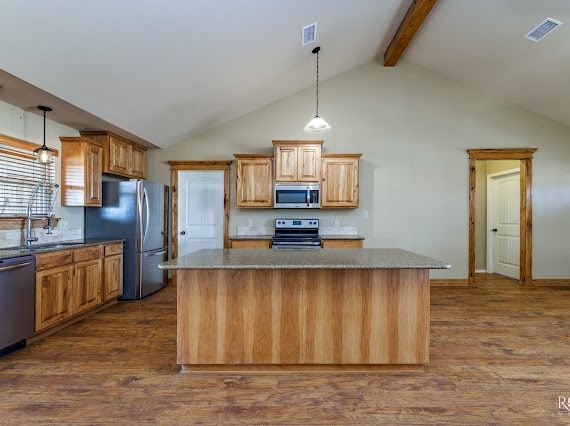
x=340 y=182
x=86 y=292
x=138 y=162
x=119 y=154
x=286 y=164
x=93 y=174
x=309 y=163
x=254 y=183
x=53 y=296
x=253 y=244
x=112 y=277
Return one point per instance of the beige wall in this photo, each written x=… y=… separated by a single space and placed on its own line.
x=28 y=126
x=413 y=128
x=483 y=169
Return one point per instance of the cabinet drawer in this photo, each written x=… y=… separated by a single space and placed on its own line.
x=111 y=249
x=88 y=253
x=253 y=244
x=342 y=244
x=53 y=259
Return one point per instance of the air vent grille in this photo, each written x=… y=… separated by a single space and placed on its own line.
x=309 y=34
x=543 y=29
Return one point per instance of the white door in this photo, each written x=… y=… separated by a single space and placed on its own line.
x=200 y=210
x=504 y=223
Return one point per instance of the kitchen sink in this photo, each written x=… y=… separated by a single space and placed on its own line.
x=46 y=246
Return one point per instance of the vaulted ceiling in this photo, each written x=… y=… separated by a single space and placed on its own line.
x=162 y=71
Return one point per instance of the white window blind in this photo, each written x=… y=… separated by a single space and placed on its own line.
x=20 y=174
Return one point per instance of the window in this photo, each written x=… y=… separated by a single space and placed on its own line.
x=24 y=180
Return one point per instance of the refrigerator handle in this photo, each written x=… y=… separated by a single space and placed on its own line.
x=157 y=253
x=145 y=203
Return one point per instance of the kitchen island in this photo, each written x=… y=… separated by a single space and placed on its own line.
x=335 y=309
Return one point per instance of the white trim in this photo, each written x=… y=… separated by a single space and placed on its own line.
x=480 y=271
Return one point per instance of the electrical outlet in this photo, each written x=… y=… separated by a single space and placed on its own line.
x=337 y=223
x=250 y=222
x=365 y=214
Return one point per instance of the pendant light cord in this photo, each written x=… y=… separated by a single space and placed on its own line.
x=317 y=111
x=44 y=128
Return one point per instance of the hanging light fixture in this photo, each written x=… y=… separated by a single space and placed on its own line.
x=317 y=124
x=44 y=154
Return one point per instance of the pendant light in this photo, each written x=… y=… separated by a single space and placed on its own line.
x=44 y=154
x=317 y=124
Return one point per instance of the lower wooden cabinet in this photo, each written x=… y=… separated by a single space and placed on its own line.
x=74 y=281
x=86 y=292
x=341 y=244
x=53 y=296
x=112 y=286
x=254 y=244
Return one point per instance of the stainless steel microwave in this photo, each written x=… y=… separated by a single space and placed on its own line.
x=297 y=196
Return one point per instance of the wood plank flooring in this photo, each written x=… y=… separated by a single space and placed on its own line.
x=500 y=354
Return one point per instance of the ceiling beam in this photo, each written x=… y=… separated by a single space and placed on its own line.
x=411 y=23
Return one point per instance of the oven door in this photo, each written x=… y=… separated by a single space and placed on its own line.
x=296 y=196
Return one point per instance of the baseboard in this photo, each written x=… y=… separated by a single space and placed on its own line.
x=460 y=282
x=480 y=271
x=56 y=328
x=551 y=282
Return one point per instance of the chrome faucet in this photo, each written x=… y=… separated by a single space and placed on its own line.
x=30 y=238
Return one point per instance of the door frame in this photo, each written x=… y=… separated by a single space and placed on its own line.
x=175 y=167
x=491 y=213
x=524 y=155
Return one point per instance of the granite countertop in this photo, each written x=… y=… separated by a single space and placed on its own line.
x=11 y=252
x=268 y=237
x=304 y=259
x=250 y=237
x=341 y=237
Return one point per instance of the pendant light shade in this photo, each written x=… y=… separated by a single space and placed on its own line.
x=44 y=154
x=317 y=123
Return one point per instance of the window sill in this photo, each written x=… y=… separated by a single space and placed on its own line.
x=20 y=223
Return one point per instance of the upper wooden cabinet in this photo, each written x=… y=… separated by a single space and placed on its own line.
x=81 y=171
x=121 y=156
x=297 y=161
x=339 y=187
x=254 y=180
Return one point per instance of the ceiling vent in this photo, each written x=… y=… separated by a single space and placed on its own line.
x=543 y=29
x=309 y=34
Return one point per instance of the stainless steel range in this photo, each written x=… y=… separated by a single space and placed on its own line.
x=296 y=234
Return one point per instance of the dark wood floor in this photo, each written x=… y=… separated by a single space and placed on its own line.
x=499 y=354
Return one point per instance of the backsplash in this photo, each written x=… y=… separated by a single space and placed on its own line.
x=16 y=237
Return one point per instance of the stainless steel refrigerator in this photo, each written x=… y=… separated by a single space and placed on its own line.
x=136 y=211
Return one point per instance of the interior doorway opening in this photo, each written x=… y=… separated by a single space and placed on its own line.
x=524 y=157
x=497 y=218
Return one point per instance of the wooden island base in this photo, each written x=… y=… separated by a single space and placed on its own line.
x=302 y=319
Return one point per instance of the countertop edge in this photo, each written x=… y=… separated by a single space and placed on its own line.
x=14 y=252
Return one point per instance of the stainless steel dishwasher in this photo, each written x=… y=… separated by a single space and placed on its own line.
x=17 y=298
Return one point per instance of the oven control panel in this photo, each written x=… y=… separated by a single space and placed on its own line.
x=297 y=223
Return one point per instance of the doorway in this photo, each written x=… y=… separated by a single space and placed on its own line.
x=503 y=223
x=524 y=155
x=200 y=205
x=200 y=210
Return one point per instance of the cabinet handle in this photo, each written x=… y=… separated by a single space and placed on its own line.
x=12 y=267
